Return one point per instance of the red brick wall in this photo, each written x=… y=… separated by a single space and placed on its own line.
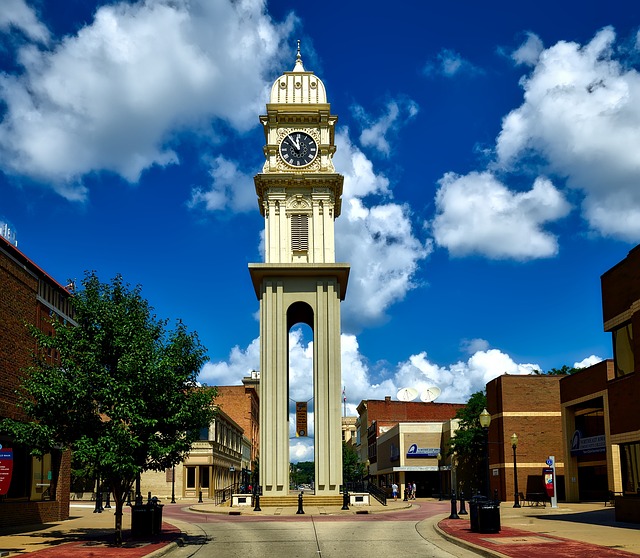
x=242 y=406
x=19 y=279
x=621 y=285
x=390 y=412
x=528 y=406
x=18 y=290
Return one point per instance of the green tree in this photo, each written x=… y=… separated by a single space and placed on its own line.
x=352 y=469
x=467 y=444
x=564 y=370
x=122 y=396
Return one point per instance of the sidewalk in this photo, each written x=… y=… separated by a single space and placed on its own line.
x=571 y=531
x=86 y=535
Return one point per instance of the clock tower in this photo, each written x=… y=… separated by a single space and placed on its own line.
x=299 y=196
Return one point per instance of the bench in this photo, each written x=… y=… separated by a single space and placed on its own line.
x=611 y=498
x=537 y=499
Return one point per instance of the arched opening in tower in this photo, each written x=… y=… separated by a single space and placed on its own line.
x=301 y=403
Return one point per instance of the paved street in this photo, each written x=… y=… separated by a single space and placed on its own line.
x=407 y=534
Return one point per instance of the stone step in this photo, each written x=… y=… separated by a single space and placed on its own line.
x=307 y=500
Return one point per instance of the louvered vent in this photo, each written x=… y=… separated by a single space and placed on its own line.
x=299 y=233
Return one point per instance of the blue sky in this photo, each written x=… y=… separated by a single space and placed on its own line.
x=490 y=153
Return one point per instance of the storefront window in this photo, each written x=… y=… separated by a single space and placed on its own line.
x=630 y=454
x=623 y=350
x=42 y=483
x=191 y=477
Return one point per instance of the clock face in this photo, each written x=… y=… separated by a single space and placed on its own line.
x=298 y=149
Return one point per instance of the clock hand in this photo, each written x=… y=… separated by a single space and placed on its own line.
x=296 y=144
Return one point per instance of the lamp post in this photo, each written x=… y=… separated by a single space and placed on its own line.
x=485 y=421
x=173 y=485
x=440 y=476
x=514 y=445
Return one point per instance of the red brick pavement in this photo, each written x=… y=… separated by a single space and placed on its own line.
x=91 y=546
x=517 y=543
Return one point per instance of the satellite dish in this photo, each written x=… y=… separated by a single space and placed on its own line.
x=407 y=394
x=430 y=394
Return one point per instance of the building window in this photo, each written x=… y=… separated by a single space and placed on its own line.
x=630 y=454
x=623 y=350
x=191 y=477
x=299 y=233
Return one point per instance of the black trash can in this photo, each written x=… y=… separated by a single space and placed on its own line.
x=141 y=520
x=489 y=517
x=156 y=519
x=474 y=504
x=146 y=519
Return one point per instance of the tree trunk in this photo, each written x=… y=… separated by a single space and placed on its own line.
x=120 y=490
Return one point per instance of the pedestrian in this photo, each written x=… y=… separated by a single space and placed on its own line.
x=394 y=491
x=409 y=488
x=413 y=491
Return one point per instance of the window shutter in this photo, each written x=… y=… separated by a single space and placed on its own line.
x=299 y=233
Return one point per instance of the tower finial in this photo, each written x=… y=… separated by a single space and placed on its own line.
x=298 y=67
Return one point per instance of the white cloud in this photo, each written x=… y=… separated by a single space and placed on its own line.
x=589 y=361
x=450 y=63
x=456 y=381
x=17 y=14
x=112 y=96
x=376 y=239
x=580 y=119
x=477 y=214
x=375 y=131
x=230 y=372
x=529 y=51
x=471 y=346
x=230 y=189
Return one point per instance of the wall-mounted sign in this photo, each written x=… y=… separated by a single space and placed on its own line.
x=301 y=418
x=6 y=469
x=415 y=451
x=585 y=445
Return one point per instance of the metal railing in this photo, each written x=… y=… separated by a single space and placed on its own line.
x=223 y=494
x=378 y=493
x=365 y=486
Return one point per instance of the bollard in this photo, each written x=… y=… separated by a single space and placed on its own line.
x=300 y=510
x=257 y=499
x=345 y=500
x=454 y=506
x=98 y=508
x=200 y=497
x=463 y=510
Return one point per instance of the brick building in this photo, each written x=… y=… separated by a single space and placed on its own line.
x=528 y=406
x=242 y=404
x=600 y=403
x=589 y=463
x=39 y=488
x=225 y=453
x=387 y=429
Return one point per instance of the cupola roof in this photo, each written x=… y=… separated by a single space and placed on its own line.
x=298 y=86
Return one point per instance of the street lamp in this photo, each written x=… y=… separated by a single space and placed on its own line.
x=440 y=476
x=514 y=445
x=173 y=484
x=485 y=421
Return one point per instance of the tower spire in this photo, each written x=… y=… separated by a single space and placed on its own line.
x=298 y=67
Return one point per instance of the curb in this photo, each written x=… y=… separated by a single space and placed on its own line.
x=481 y=550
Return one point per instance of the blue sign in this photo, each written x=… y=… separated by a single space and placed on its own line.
x=415 y=451
x=588 y=445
